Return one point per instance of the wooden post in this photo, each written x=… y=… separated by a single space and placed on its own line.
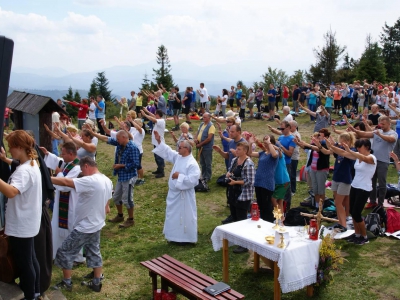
x=277 y=286
x=310 y=290
x=225 y=261
x=256 y=262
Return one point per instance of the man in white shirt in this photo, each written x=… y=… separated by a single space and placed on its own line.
x=203 y=97
x=92 y=109
x=94 y=191
x=287 y=116
x=159 y=126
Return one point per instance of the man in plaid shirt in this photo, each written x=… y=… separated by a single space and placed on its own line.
x=125 y=166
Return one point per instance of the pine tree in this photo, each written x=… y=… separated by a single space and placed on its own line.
x=162 y=75
x=346 y=73
x=71 y=110
x=93 y=89
x=371 y=66
x=390 y=41
x=327 y=59
x=102 y=86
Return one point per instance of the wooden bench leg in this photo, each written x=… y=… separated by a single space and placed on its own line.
x=225 y=261
x=310 y=290
x=153 y=280
x=277 y=286
x=164 y=285
x=256 y=262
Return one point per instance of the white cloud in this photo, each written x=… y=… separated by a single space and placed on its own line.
x=279 y=33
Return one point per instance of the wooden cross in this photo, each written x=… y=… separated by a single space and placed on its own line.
x=319 y=215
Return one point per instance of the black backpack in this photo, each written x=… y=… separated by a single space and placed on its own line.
x=373 y=224
x=202 y=186
x=294 y=218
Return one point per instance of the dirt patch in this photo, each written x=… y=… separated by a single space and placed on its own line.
x=211 y=206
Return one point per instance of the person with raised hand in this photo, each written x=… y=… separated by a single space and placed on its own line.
x=264 y=181
x=361 y=185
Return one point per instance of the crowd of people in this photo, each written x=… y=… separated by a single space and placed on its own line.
x=256 y=168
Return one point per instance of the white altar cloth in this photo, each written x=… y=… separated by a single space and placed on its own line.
x=298 y=261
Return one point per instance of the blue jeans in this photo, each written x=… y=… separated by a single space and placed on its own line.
x=54 y=144
x=170 y=108
x=312 y=107
x=206 y=163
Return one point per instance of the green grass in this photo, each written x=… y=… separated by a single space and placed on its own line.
x=369 y=272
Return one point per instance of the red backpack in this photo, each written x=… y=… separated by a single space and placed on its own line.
x=393 y=220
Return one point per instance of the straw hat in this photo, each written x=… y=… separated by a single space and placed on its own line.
x=71 y=128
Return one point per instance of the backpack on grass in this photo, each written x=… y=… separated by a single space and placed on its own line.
x=373 y=224
x=393 y=220
x=202 y=186
x=294 y=218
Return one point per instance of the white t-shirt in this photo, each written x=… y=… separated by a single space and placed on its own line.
x=288 y=118
x=138 y=138
x=159 y=126
x=93 y=194
x=24 y=211
x=92 y=114
x=364 y=173
x=204 y=92
x=225 y=99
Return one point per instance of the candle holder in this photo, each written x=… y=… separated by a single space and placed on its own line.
x=277 y=215
x=281 y=243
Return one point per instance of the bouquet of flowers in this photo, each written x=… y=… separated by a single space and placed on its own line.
x=329 y=260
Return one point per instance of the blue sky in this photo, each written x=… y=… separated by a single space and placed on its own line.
x=85 y=35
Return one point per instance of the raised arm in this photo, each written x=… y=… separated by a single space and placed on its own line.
x=99 y=136
x=52 y=134
x=396 y=160
x=65 y=137
x=311 y=113
x=274 y=130
x=90 y=147
x=218 y=119
x=148 y=115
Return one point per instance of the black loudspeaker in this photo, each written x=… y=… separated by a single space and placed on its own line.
x=6 y=53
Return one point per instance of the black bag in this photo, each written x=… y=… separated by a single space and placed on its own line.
x=373 y=224
x=382 y=215
x=221 y=180
x=258 y=116
x=202 y=186
x=294 y=218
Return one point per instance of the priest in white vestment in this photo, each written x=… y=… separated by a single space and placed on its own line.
x=67 y=166
x=181 y=212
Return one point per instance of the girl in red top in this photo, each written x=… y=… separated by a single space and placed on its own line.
x=82 y=112
x=285 y=95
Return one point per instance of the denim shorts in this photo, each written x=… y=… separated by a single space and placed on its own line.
x=71 y=246
x=123 y=193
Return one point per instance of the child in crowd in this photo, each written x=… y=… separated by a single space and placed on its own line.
x=329 y=102
x=243 y=103
x=218 y=106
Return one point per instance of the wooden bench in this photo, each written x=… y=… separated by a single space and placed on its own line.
x=183 y=279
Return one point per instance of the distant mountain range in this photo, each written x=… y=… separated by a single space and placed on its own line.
x=55 y=81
